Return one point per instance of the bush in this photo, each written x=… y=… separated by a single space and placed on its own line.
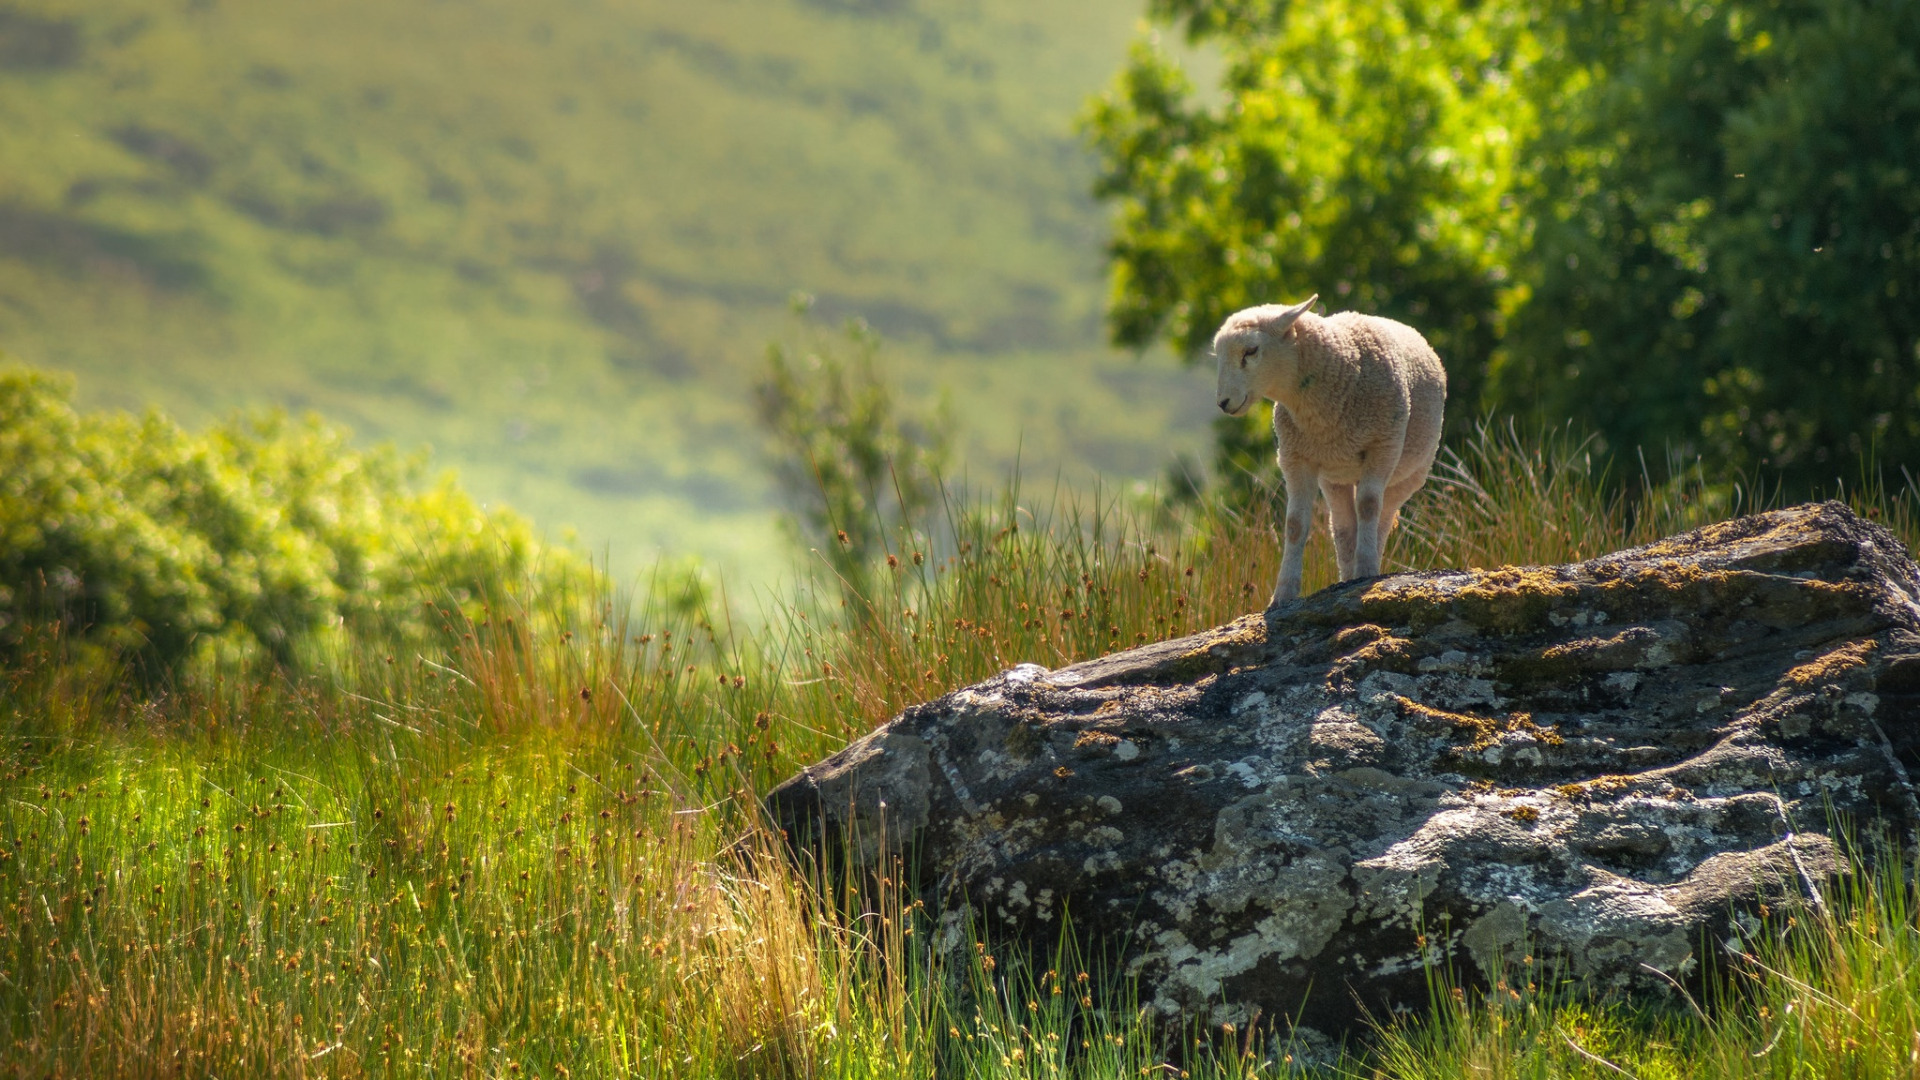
x=255 y=539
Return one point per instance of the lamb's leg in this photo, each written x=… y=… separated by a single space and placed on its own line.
x=1397 y=495
x=1341 y=519
x=1301 y=482
x=1368 y=499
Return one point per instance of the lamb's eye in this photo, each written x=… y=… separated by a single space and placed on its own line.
x=1248 y=355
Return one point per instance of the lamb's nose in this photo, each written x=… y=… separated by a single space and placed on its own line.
x=1224 y=402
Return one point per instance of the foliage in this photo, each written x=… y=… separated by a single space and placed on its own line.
x=860 y=472
x=1682 y=225
x=259 y=537
x=1366 y=152
x=1727 y=253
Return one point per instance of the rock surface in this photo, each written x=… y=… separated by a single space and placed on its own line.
x=1606 y=766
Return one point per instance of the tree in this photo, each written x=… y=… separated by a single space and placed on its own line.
x=1727 y=252
x=1365 y=151
x=1684 y=225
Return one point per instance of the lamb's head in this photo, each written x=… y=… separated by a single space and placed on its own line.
x=1255 y=348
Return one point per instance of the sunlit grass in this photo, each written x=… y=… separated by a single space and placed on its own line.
x=1807 y=995
x=538 y=852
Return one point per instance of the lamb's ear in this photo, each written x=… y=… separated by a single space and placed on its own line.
x=1279 y=324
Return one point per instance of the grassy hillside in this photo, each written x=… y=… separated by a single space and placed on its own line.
x=552 y=240
x=522 y=853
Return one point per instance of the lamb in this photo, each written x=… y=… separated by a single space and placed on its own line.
x=1358 y=402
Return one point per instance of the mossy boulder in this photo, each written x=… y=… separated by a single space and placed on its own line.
x=1603 y=771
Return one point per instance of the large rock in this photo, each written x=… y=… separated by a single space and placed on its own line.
x=1606 y=767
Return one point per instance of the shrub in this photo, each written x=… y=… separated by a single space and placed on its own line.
x=858 y=467
x=255 y=539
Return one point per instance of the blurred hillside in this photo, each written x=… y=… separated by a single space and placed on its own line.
x=552 y=240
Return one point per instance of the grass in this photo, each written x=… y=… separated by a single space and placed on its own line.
x=551 y=244
x=536 y=853
x=1809 y=995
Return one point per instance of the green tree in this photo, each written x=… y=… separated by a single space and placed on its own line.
x=1727 y=245
x=1684 y=225
x=1366 y=152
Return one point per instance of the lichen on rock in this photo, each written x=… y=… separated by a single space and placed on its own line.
x=1598 y=768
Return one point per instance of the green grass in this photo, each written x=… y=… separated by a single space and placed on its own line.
x=1809 y=995
x=552 y=243
x=535 y=853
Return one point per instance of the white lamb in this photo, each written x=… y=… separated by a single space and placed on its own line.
x=1358 y=402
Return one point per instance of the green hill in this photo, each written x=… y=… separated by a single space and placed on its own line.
x=551 y=241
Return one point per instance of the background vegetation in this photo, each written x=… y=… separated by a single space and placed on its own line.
x=1684 y=225
x=552 y=241
x=259 y=539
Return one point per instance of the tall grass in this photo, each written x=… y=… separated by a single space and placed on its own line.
x=537 y=852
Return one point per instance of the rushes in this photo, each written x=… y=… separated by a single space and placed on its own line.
x=399 y=907
x=508 y=859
